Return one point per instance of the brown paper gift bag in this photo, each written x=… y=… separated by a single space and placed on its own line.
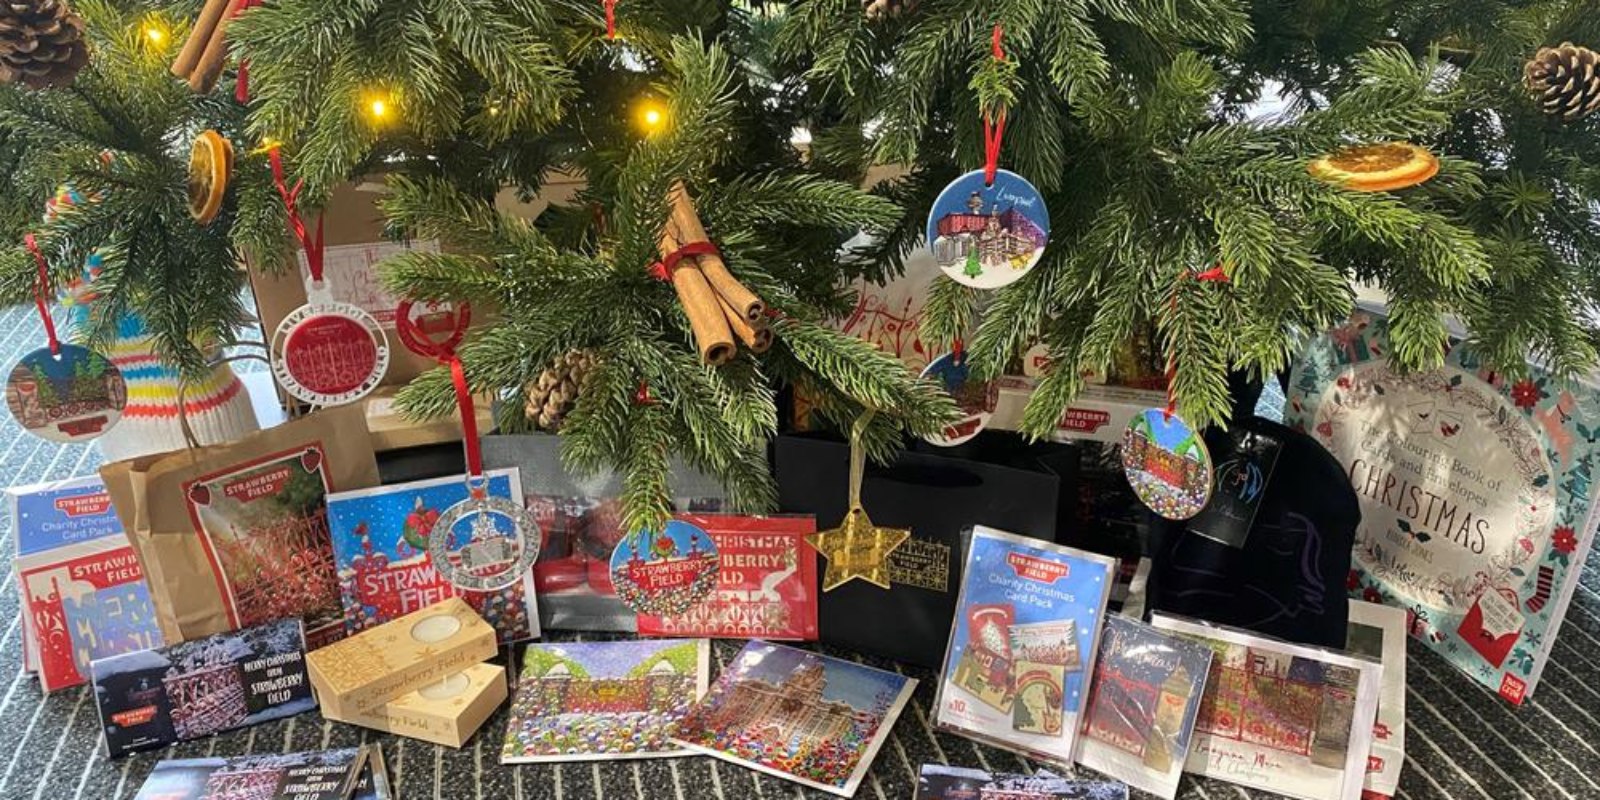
x=236 y=535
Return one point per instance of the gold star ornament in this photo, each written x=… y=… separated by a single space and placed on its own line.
x=857 y=549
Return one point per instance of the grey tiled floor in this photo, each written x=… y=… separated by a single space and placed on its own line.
x=1463 y=743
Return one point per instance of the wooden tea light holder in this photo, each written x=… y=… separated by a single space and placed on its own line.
x=719 y=307
x=357 y=678
x=447 y=712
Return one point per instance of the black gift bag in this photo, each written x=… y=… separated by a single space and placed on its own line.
x=937 y=497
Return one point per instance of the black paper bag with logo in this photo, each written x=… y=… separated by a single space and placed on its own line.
x=937 y=497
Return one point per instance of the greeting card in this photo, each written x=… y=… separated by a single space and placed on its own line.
x=1023 y=644
x=380 y=546
x=85 y=602
x=153 y=698
x=1142 y=705
x=587 y=701
x=1281 y=717
x=1476 y=490
x=804 y=717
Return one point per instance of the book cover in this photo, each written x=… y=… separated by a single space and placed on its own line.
x=85 y=602
x=1476 y=491
x=766 y=582
x=1023 y=644
x=1142 y=705
x=322 y=775
x=1281 y=717
x=800 y=716
x=588 y=701
x=380 y=547
x=153 y=698
x=939 y=782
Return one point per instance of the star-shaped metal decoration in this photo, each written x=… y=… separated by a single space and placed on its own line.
x=857 y=549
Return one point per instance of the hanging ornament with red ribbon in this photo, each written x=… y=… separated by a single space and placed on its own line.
x=63 y=392
x=326 y=352
x=483 y=543
x=989 y=227
x=976 y=399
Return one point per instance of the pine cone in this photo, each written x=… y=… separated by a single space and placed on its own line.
x=878 y=9
x=551 y=395
x=41 y=43
x=1565 y=80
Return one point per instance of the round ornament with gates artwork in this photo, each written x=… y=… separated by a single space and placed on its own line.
x=665 y=572
x=73 y=395
x=1167 y=463
x=328 y=353
x=484 y=543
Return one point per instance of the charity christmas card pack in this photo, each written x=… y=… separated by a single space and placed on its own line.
x=81 y=586
x=153 y=698
x=591 y=701
x=939 y=782
x=1281 y=717
x=380 y=547
x=1477 y=503
x=1142 y=705
x=766 y=582
x=804 y=717
x=347 y=774
x=1023 y=644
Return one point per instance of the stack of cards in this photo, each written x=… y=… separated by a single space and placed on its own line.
x=355 y=773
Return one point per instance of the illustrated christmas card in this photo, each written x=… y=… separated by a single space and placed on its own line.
x=1379 y=632
x=380 y=547
x=1023 y=644
x=588 y=701
x=804 y=717
x=1281 y=717
x=766 y=582
x=83 y=591
x=1476 y=490
x=153 y=698
x=939 y=782
x=326 y=775
x=1142 y=705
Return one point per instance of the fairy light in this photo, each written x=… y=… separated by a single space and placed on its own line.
x=156 y=34
x=651 y=116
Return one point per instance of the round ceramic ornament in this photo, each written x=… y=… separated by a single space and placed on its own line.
x=484 y=543
x=328 y=353
x=73 y=395
x=976 y=399
x=988 y=235
x=1167 y=463
x=666 y=572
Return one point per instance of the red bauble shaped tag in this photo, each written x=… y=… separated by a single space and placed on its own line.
x=328 y=354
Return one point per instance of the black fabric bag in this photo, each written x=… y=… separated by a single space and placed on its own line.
x=1287 y=575
x=937 y=497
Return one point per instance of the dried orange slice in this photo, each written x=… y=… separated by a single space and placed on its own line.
x=1377 y=167
x=210 y=166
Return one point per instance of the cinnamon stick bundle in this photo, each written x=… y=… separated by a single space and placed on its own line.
x=205 y=53
x=685 y=227
x=706 y=318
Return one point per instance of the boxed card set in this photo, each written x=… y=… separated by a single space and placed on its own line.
x=1142 y=706
x=1284 y=718
x=355 y=773
x=939 y=782
x=1016 y=673
x=153 y=698
x=84 y=595
x=582 y=701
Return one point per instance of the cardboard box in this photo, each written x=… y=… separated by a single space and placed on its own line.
x=447 y=712
x=1099 y=414
x=391 y=431
x=1388 y=751
x=377 y=665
